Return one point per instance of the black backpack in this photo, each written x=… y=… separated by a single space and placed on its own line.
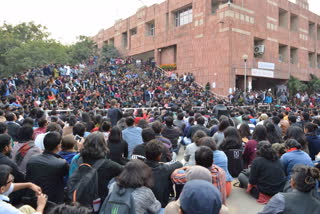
x=83 y=184
x=119 y=201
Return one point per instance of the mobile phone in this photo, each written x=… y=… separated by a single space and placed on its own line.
x=77 y=138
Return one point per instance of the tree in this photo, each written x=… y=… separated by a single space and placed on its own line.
x=34 y=54
x=82 y=50
x=313 y=84
x=295 y=85
x=109 y=51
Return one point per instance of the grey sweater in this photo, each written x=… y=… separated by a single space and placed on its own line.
x=144 y=200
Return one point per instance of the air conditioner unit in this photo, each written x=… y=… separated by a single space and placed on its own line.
x=259 y=49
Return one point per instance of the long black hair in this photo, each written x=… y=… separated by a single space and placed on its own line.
x=232 y=139
x=259 y=133
x=264 y=149
x=272 y=134
x=94 y=147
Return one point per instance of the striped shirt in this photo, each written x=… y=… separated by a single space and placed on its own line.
x=218 y=178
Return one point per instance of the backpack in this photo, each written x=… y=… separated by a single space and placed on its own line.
x=82 y=185
x=119 y=201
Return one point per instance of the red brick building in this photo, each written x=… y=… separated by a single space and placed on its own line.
x=210 y=38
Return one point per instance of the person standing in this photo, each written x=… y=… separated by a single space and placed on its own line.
x=114 y=113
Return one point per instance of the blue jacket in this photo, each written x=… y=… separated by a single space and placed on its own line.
x=290 y=159
x=314 y=145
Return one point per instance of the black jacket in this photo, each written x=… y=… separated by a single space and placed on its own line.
x=140 y=152
x=47 y=170
x=196 y=128
x=114 y=114
x=162 y=182
x=268 y=175
x=108 y=170
x=173 y=134
x=18 y=176
x=118 y=152
x=13 y=129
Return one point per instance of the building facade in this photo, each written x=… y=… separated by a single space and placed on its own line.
x=222 y=41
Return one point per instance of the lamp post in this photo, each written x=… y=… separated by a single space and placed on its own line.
x=245 y=59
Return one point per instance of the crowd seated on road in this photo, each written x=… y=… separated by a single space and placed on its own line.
x=68 y=145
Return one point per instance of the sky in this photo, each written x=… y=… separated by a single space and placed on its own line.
x=67 y=19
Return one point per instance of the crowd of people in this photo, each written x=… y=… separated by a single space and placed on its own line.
x=96 y=157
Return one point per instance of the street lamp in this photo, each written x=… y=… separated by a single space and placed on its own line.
x=245 y=59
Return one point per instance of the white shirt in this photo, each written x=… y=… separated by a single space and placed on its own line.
x=38 y=142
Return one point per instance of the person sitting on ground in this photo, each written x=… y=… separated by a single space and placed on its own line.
x=296 y=132
x=42 y=122
x=25 y=148
x=132 y=135
x=303 y=181
x=203 y=157
x=68 y=151
x=52 y=127
x=48 y=169
x=72 y=120
x=249 y=154
x=157 y=127
x=12 y=126
x=294 y=156
x=200 y=196
x=266 y=177
x=95 y=149
x=117 y=146
x=138 y=175
x=139 y=152
x=220 y=159
x=194 y=173
x=7 y=186
x=193 y=147
x=161 y=172
x=313 y=139
x=172 y=133
x=200 y=126
x=219 y=135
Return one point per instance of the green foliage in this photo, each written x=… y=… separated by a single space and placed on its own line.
x=82 y=50
x=313 y=84
x=27 y=45
x=109 y=51
x=295 y=85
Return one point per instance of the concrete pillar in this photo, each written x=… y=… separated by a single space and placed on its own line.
x=249 y=83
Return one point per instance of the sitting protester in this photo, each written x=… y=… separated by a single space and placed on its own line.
x=303 y=181
x=7 y=186
x=25 y=148
x=67 y=148
x=266 y=177
x=48 y=169
x=136 y=176
x=161 y=171
x=204 y=157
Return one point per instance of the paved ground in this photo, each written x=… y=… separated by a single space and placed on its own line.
x=239 y=202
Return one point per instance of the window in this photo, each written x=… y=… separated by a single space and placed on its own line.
x=214 y=6
x=283 y=53
x=294 y=22
x=318 y=61
x=283 y=18
x=111 y=41
x=133 y=31
x=150 y=28
x=125 y=39
x=293 y=55
x=183 y=16
x=312 y=27
x=318 y=32
x=312 y=60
